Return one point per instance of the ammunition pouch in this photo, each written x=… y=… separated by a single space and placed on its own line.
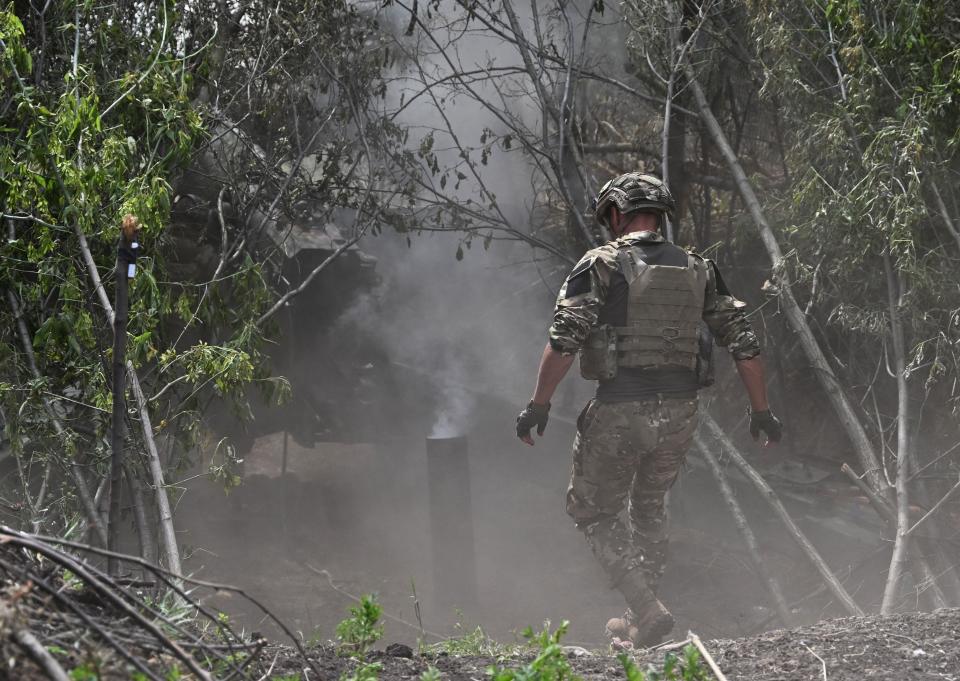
x=705 y=376
x=598 y=356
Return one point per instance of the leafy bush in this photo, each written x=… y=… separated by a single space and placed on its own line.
x=362 y=629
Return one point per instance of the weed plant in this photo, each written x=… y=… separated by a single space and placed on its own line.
x=690 y=668
x=550 y=664
x=362 y=629
x=363 y=672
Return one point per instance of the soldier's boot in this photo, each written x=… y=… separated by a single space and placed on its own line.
x=647 y=620
x=644 y=631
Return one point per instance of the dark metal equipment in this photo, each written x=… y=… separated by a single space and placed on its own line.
x=451 y=522
x=127 y=251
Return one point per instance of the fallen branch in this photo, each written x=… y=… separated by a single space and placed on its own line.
x=746 y=533
x=170 y=579
x=85 y=573
x=823 y=664
x=35 y=650
x=87 y=621
x=705 y=654
x=672 y=645
x=771 y=497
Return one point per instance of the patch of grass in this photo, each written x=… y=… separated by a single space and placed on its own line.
x=475 y=643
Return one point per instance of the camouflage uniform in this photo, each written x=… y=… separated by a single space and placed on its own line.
x=629 y=452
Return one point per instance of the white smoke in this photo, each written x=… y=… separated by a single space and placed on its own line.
x=454 y=410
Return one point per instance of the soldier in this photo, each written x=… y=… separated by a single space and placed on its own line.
x=633 y=308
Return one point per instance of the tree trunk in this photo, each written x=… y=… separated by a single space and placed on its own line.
x=828 y=380
x=901 y=543
x=142 y=519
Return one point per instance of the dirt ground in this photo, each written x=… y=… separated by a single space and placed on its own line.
x=915 y=646
x=359 y=513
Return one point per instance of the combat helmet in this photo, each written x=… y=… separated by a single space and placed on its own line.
x=631 y=192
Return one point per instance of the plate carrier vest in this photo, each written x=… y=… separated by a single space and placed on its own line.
x=664 y=310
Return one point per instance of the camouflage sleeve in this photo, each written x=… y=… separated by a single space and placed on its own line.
x=727 y=319
x=579 y=303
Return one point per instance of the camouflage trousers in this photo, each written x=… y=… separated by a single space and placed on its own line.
x=625 y=457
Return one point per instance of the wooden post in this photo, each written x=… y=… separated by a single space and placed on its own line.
x=126 y=267
x=167 y=531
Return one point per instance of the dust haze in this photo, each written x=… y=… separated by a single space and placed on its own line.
x=449 y=347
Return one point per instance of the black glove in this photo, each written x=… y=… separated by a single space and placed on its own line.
x=768 y=423
x=533 y=415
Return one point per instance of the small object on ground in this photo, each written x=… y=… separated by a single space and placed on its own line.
x=576 y=651
x=399 y=650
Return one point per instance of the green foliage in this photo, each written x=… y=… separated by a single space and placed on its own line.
x=690 y=668
x=873 y=104
x=550 y=664
x=104 y=110
x=88 y=671
x=363 y=672
x=432 y=674
x=362 y=629
x=223 y=668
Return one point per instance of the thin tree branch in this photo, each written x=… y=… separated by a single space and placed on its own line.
x=770 y=496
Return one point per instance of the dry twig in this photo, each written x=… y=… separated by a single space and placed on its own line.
x=705 y=654
x=823 y=664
